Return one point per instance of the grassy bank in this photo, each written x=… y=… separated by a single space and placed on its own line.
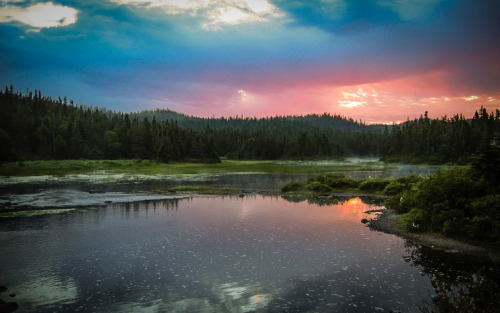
x=62 y=167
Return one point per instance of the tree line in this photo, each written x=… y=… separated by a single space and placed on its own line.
x=456 y=139
x=38 y=127
x=34 y=127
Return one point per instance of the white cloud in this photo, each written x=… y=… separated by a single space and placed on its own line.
x=471 y=98
x=218 y=12
x=354 y=99
x=40 y=15
x=243 y=94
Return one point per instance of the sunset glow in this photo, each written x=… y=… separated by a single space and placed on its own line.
x=375 y=61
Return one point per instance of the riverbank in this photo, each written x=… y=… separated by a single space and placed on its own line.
x=388 y=222
x=147 y=167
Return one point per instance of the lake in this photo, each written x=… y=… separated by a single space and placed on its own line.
x=209 y=254
x=122 y=249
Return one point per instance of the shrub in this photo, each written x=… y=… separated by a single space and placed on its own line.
x=336 y=181
x=481 y=228
x=374 y=184
x=453 y=226
x=293 y=186
x=316 y=186
x=409 y=181
x=414 y=220
x=394 y=188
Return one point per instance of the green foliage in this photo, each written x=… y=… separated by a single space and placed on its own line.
x=459 y=203
x=293 y=186
x=414 y=220
x=34 y=128
x=374 y=184
x=318 y=187
x=339 y=181
x=481 y=227
x=394 y=188
x=455 y=139
x=41 y=128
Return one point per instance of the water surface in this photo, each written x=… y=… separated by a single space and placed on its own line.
x=209 y=254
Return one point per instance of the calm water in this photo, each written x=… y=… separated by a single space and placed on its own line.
x=209 y=254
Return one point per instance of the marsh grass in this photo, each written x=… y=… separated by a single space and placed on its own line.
x=147 y=167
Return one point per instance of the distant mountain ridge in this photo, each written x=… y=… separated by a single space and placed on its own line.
x=324 y=120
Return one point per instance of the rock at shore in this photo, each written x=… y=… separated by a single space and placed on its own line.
x=7 y=307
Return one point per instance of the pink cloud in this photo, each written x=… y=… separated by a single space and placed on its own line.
x=379 y=102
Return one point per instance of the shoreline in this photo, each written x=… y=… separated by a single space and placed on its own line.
x=387 y=222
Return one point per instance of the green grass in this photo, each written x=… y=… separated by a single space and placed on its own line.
x=147 y=167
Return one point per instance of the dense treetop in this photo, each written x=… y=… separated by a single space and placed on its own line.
x=36 y=127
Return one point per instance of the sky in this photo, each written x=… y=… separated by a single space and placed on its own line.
x=379 y=61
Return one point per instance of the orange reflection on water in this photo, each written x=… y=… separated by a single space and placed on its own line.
x=353 y=208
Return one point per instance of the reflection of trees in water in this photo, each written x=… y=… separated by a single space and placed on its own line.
x=462 y=283
x=334 y=199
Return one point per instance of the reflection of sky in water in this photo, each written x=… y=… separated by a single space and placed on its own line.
x=209 y=254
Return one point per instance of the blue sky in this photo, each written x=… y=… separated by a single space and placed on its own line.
x=375 y=60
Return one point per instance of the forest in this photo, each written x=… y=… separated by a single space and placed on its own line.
x=36 y=127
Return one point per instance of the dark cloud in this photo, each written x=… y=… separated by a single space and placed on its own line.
x=450 y=34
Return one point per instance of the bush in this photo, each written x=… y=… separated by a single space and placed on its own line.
x=481 y=228
x=336 y=181
x=487 y=205
x=316 y=186
x=404 y=201
x=409 y=181
x=414 y=220
x=453 y=227
x=374 y=184
x=394 y=188
x=293 y=186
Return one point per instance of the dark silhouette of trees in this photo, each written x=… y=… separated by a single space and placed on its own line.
x=36 y=127
x=454 y=139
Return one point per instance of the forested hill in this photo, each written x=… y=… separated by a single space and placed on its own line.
x=304 y=123
x=36 y=127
